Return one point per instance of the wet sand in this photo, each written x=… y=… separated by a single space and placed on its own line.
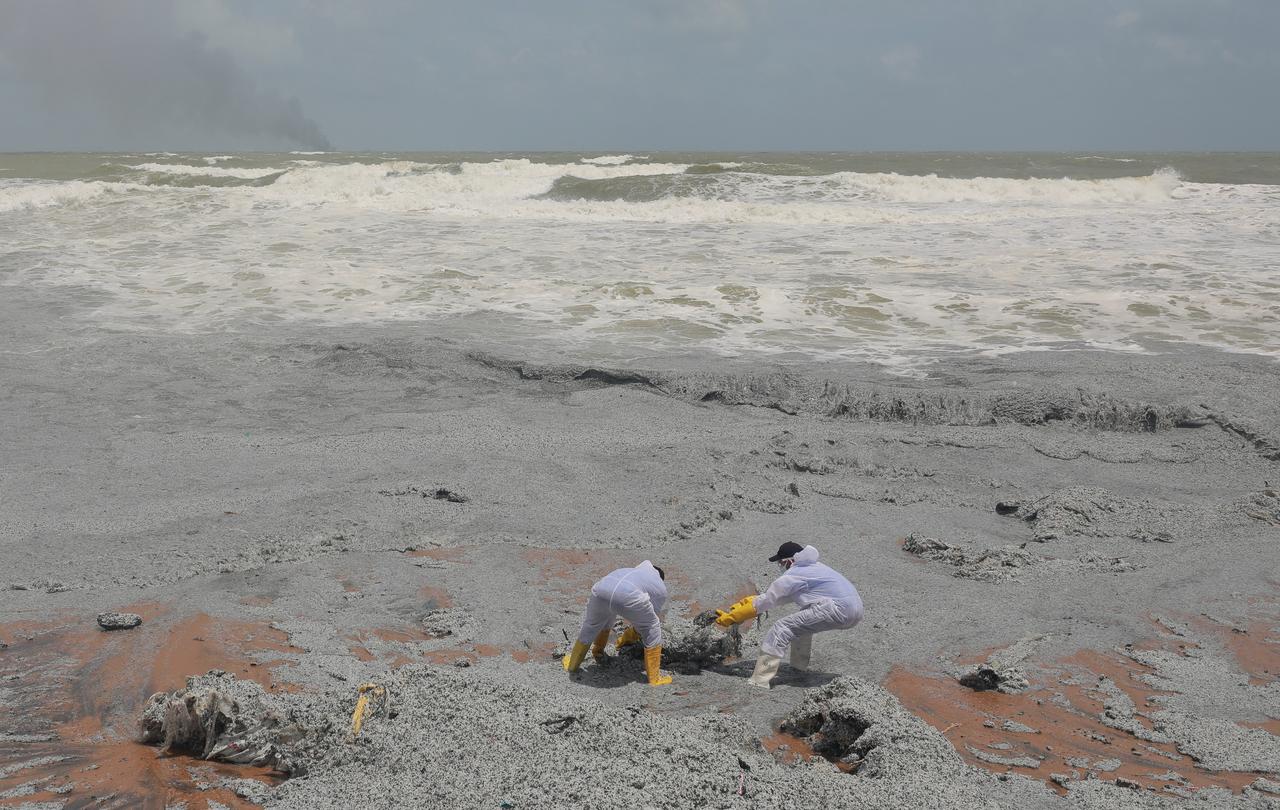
x=76 y=692
x=268 y=503
x=1064 y=722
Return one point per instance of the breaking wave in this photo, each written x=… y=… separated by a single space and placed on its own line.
x=608 y=188
x=634 y=189
x=203 y=171
x=610 y=160
x=1155 y=187
x=15 y=196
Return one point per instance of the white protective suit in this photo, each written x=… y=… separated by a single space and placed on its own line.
x=826 y=599
x=636 y=594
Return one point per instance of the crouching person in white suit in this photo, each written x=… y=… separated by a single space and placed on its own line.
x=827 y=601
x=638 y=595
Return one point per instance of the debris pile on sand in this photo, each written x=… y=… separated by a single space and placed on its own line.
x=275 y=549
x=437 y=492
x=1263 y=506
x=1072 y=511
x=1005 y=563
x=1077 y=513
x=446 y=622
x=859 y=400
x=1001 y=671
x=992 y=565
x=691 y=646
x=896 y=757
x=220 y=717
x=46 y=585
x=118 y=621
x=525 y=747
x=858 y=724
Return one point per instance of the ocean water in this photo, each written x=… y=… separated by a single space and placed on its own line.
x=900 y=259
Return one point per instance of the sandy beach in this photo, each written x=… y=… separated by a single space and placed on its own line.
x=312 y=508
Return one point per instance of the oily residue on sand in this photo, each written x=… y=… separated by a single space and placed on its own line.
x=1059 y=723
x=787 y=749
x=568 y=574
x=388 y=645
x=77 y=691
x=440 y=554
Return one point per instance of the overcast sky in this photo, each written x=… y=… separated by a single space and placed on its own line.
x=640 y=75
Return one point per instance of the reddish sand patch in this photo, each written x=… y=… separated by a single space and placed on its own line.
x=449 y=656
x=434 y=598
x=84 y=687
x=201 y=643
x=362 y=649
x=566 y=575
x=791 y=750
x=1271 y=726
x=1256 y=649
x=394 y=662
x=256 y=601
x=122 y=774
x=442 y=554
x=474 y=652
x=787 y=749
x=1065 y=707
x=15 y=633
x=541 y=652
x=401 y=635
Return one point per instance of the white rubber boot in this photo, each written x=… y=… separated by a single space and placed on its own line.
x=801 y=652
x=766 y=667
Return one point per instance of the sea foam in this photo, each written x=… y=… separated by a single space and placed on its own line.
x=612 y=256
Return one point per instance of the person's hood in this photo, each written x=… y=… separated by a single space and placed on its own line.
x=806 y=556
x=650 y=570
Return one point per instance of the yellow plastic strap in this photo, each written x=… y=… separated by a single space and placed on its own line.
x=362 y=704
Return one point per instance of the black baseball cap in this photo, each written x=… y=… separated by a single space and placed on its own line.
x=786 y=551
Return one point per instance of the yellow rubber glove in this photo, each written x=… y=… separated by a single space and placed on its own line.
x=742 y=611
x=628 y=636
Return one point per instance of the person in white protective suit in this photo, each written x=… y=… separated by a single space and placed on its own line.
x=638 y=595
x=827 y=601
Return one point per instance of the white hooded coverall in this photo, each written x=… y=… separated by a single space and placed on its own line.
x=636 y=594
x=826 y=599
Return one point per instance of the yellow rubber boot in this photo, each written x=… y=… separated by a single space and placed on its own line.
x=574 y=659
x=652 y=666
x=628 y=636
x=597 y=646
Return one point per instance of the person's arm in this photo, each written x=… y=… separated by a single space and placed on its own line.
x=658 y=598
x=780 y=592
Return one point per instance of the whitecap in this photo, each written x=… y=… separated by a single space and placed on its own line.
x=611 y=160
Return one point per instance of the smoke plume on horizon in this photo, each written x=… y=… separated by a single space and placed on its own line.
x=130 y=69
